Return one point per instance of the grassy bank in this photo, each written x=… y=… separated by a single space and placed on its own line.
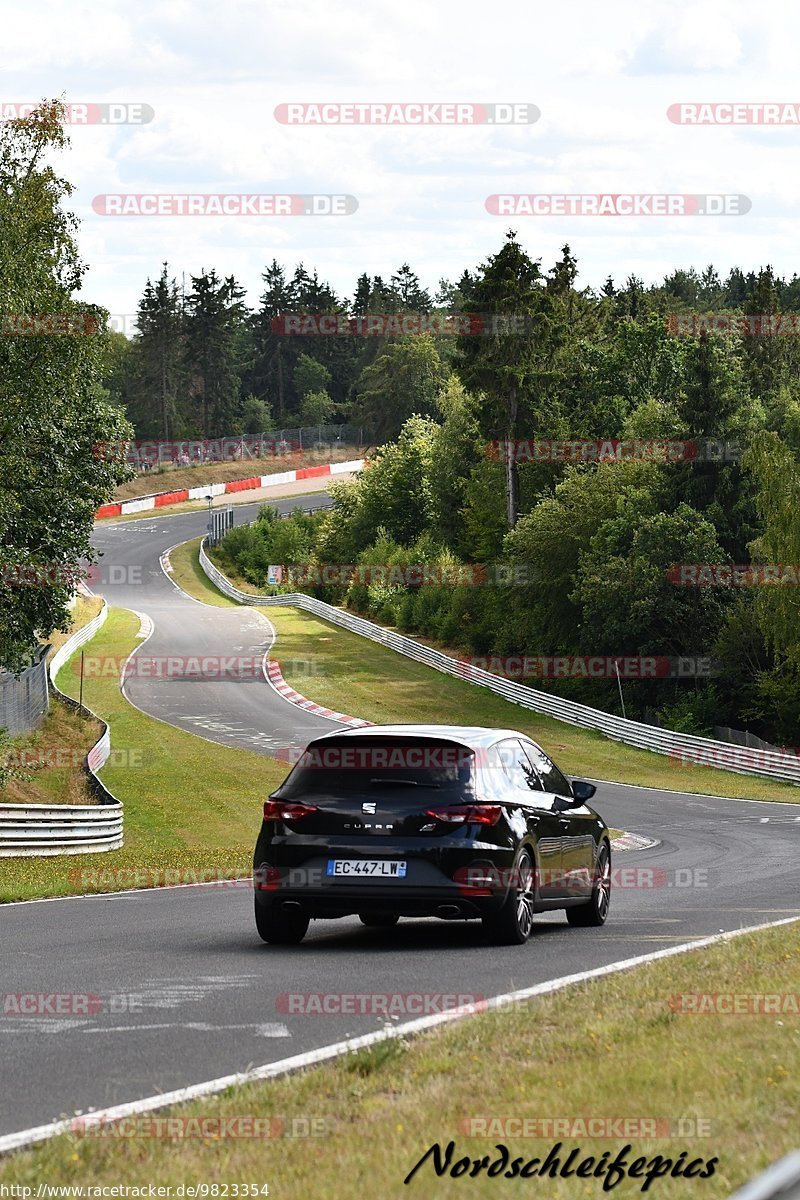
x=169 y=478
x=51 y=756
x=51 y=759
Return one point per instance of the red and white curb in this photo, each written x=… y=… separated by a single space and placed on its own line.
x=97 y=756
x=204 y=490
x=275 y=678
x=634 y=841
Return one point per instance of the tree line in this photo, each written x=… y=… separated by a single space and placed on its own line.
x=202 y=364
x=591 y=550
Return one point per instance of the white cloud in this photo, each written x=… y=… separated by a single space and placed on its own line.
x=603 y=76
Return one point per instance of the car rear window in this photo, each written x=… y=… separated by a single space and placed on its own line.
x=355 y=766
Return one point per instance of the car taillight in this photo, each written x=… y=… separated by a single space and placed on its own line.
x=266 y=878
x=466 y=814
x=475 y=880
x=281 y=810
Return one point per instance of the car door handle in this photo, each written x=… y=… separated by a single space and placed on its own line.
x=564 y=821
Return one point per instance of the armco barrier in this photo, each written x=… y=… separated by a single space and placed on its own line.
x=41 y=830
x=745 y=760
x=781 y=1181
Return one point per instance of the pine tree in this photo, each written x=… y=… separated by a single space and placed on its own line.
x=272 y=349
x=406 y=286
x=214 y=317
x=507 y=365
x=157 y=402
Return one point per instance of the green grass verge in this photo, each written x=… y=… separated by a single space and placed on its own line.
x=569 y=1056
x=336 y=668
x=191 y=806
x=188 y=574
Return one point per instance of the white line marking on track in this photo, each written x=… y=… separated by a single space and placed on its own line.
x=240 y=881
x=268 y=1030
x=642 y=787
x=40 y=1133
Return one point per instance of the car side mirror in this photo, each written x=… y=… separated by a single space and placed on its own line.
x=582 y=791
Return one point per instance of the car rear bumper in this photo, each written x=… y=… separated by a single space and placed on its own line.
x=447 y=903
x=425 y=891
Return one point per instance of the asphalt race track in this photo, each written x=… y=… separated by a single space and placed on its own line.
x=187 y=992
x=239 y=713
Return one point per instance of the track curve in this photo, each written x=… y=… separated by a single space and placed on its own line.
x=208 y=999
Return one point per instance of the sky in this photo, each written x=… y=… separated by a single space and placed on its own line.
x=602 y=77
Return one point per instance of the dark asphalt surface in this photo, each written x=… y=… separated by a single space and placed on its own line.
x=186 y=990
x=236 y=712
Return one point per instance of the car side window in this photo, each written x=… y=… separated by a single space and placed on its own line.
x=551 y=777
x=535 y=782
x=517 y=766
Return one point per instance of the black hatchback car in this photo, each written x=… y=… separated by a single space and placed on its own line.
x=443 y=821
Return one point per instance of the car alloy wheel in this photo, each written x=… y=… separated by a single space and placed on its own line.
x=512 y=925
x=595 y=911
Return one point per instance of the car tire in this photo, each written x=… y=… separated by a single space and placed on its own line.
x=512 y=925
x=595 y=911
x=280 y=928
x=378 y=920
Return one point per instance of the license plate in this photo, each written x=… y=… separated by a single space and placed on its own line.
x=374 y=867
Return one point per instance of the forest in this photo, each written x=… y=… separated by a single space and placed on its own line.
x=586 y=449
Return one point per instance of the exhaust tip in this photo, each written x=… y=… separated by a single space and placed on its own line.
x=449 y=912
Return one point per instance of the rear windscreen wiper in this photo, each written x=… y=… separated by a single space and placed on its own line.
x=403 y=783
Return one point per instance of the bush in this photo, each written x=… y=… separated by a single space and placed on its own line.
x=271 y=540
x=696 y=712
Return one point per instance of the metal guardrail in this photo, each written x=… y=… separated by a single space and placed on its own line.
x=43 y=830
x=689 y=748
x=307 y=512
x=65 y=652
x=781 y=1181
x=40 y=830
